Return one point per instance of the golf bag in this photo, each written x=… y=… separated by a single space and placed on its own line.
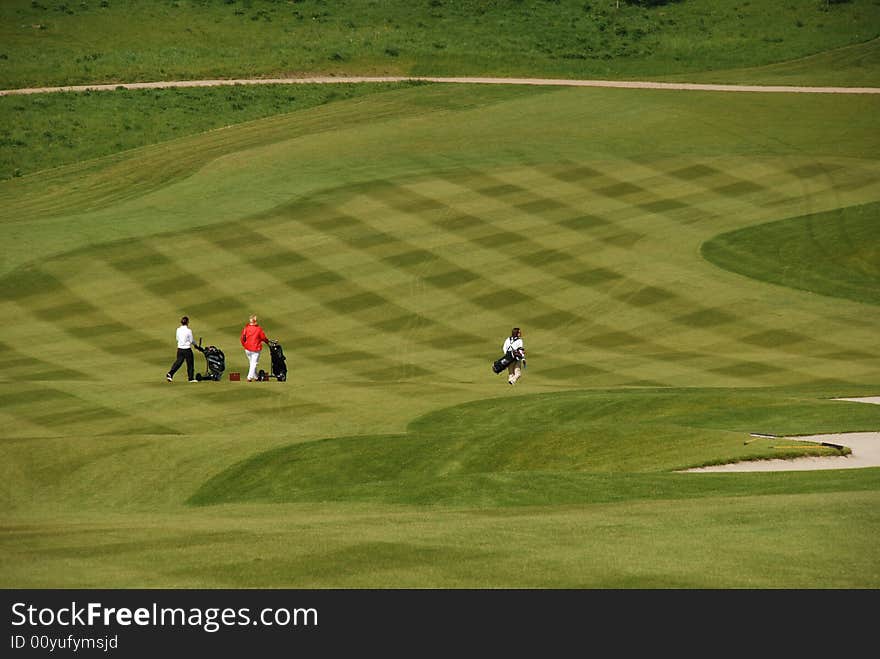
x=503 y=362
x=216 y=362
x=279 y=364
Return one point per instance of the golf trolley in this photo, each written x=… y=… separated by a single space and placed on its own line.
x=216 y=362
x=279 y=364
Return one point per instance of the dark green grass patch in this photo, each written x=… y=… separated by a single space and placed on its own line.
x=517 y=489
x=551 y=449
x=835 y=253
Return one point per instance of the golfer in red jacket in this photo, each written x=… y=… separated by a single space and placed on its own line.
x=252 y=339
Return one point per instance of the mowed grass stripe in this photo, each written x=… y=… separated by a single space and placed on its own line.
x=16 y=365
x=346 y=298
x=550 y=259
x=559 y=319
x=405 y=257
x=483 y=235
x=614 y=340
x=418 y=257
x=52 y=301
x=361 y=301
x=343 y=298
x=597 y=228
x=644 y=191
x=371 y=304
x=60 y=412
x=506 y=244
x=652 y=294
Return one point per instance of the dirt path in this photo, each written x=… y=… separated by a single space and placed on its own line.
x=624 y=84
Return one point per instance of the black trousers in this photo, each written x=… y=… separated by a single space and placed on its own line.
x=184 y=354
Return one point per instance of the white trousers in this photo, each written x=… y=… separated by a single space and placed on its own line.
x=514 y=371
x=253 y=357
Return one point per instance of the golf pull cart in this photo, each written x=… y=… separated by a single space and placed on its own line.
x=216 y=362
x=279 y=364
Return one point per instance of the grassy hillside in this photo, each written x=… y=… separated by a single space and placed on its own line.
x=389 y=238
x=804 y=42
x=42 y=131
x=122 y=40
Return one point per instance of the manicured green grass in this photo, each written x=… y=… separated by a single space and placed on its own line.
x=390 y=240
x=391 y=290
x=605 y=127
x=761 y=541
x=835 y=253
x=46 y=43
x=550 y=449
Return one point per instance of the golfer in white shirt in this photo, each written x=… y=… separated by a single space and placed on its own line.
x=184 y=352
x=514 y=344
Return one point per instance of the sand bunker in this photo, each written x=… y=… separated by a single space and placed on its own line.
x=865 y=447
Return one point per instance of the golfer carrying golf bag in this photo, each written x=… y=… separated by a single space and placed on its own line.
x=515 y=355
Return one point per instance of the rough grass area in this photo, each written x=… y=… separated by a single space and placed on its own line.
x=47 y=43
x=48 y=130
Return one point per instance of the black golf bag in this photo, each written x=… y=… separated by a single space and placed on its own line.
x=503 y=362
x=279 y=364
x=216 y=362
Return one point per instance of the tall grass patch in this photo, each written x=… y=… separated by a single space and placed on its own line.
x=45 y=131
x=46 y=43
